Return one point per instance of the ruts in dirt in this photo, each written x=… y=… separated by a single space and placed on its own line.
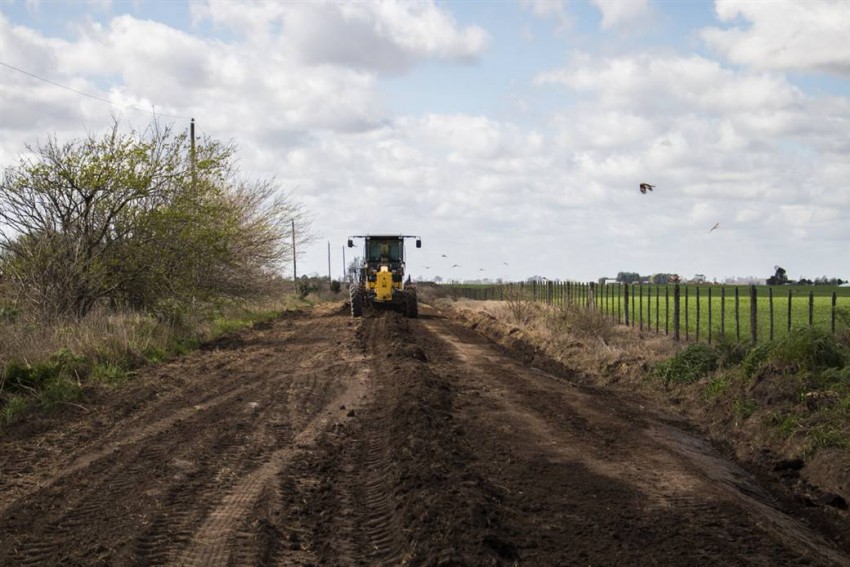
x=324 y=440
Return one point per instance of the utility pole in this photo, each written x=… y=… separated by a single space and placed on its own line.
x=294 y=260
x=344 y=266
x=192 y=158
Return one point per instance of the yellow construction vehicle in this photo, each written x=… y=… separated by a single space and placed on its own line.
x=379 y=280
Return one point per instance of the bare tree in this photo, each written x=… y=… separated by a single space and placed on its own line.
x=135 y=219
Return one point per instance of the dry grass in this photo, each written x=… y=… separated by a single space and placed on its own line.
x=581 y=338
x=49 y=363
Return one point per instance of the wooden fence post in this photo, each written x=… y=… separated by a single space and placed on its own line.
x=676 y=313
x=737 y=315
x=834 y=296
x=687 y=322
x=709 y=315
x=666 y=309
x=626 y=304
x=722 y=312
x=657 y=305
x=770 y=308
x=789 y=311
x=649 y=308
x=698 y=310
x=811 y=307
x=640 y=305
x=753 y=315
x=619 y=300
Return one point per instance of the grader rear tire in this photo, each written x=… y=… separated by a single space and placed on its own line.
x=356 y=294
x=411 y=303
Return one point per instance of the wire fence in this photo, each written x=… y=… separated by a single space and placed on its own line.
x=686 y=311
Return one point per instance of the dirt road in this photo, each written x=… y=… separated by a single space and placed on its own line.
x=320 y=440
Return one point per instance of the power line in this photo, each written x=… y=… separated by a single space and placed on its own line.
x=81 y=93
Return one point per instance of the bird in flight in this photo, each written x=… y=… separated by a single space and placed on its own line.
x=644 y=187
x=444 y=256
x=505 y=263
x=715 y=227
x=427 y=267
x=456 y=266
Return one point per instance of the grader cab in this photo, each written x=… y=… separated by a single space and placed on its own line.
x=379 y=281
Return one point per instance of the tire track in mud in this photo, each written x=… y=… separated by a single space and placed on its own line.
x=386 y=441
x=212 y=544
x=547 y=426
x=162 y=481
x=381 y=528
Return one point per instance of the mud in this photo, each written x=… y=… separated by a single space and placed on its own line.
x=322 y=440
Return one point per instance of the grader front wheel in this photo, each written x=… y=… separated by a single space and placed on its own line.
x=357 y=299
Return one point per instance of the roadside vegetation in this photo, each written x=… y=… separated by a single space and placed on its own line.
x=126 y=249
x=781 y=401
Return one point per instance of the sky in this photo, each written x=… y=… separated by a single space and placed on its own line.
x=511 y=136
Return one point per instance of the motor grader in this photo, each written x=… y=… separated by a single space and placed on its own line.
x=379 y=280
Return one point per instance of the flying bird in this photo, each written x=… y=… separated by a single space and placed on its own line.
x=427 y=267
x=644 y=187
x=715 y=227
x=505 y=263
x=456 y=266
x=444 y=256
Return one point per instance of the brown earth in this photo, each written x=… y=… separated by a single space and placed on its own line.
x=322 y=440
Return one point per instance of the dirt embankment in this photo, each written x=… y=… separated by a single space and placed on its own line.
x=821 y=481
x=326 y=440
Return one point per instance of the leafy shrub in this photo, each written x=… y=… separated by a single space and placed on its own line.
x=806 y=349
x=717 y=385
x=14 y=408
x=744 y=407
x=689 y=365
x=19 y=377
x=306 y=287
x=59 y=390
x=730 y=352
x=108 y=373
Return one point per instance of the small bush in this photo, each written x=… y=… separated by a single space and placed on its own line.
x=744 y=407
x=520 y=305
x=14 y=408
x=730 y=353
x=717 y=385
x=19 y=377
x=108 y=373
x=60 y=390
x=804 y=349
x=689 y=365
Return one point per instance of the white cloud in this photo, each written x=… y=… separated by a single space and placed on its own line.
x=297 y=86
x=784 y=35
x=381 y=37
x=617 y=13
x=555 y=10
x=654 y=82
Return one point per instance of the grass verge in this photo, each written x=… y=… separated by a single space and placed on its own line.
x=43 y=367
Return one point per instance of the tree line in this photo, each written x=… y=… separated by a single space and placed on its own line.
x=138 y=220
x=780 y=277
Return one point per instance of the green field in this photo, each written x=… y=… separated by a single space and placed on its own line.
x=707 y=312
x=707 y=317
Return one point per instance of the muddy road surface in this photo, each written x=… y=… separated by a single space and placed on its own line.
x=322 y=440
